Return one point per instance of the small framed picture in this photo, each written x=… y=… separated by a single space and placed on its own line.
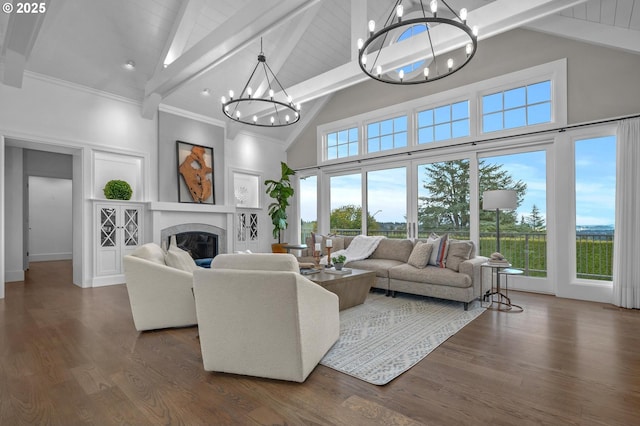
x=246 y=190
x=195 y=173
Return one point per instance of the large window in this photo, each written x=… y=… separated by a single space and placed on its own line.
x=595 y=168
x=443 y=198
x=308 y=206
x=387 y=134
x=523 y=231
x=343 y=143
x=387 y=202
x=443 y=123
x=346 y=204
x=519 y=107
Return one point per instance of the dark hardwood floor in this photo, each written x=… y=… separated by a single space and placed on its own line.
x=72 y=356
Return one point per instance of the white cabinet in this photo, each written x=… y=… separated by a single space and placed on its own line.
x=118 y=233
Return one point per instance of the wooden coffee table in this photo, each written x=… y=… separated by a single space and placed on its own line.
x=352 y=289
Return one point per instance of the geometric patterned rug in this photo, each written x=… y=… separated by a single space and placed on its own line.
x=385 y=336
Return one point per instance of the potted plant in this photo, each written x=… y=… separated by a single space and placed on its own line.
x=280 y=190
x=338 y=261
x=117 y=190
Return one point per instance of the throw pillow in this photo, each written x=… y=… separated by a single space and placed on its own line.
x=434 y=240
x=180 y=259
x=151 y=252
x=443 y=247
x=459 y=251
x=420 y=254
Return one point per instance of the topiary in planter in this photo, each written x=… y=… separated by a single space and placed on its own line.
x=117 y=190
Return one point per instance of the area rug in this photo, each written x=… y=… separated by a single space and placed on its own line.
x=385 y=336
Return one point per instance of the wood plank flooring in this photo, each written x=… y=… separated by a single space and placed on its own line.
x=71 y=356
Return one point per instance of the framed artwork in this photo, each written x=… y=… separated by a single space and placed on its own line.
x=195 y=173
x=246 y=190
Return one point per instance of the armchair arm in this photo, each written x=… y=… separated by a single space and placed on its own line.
x=160 y=296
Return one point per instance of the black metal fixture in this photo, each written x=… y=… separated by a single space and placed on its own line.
x=448 y=44
x=246 y=107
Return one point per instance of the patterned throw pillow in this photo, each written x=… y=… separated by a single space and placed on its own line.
x=439 y=253
x=420 y=255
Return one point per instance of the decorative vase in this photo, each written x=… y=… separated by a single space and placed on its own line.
x=338 y=266
x=278 y=248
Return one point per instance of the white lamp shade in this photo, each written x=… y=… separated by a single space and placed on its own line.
x=500 y=199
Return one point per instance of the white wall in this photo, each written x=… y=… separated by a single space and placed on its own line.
x=261 y=156
x=50 y=219
x=56 y=116
x=13 y=211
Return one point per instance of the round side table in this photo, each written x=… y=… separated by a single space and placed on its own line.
x=506 y=272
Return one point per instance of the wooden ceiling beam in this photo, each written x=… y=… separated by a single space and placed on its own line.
x=248 y=24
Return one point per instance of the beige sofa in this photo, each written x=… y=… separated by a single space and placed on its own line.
x=258 y=316
x=393 y=273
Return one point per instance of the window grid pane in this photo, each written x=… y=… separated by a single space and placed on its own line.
x=387 y=134
x=343 y=143
x=444 y=122
x=518 y=107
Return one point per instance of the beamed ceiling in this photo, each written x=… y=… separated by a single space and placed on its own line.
x=213 y=44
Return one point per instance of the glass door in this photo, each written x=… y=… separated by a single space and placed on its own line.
x=387 y=202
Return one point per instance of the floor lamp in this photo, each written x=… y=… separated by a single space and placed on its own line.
x=501 y=199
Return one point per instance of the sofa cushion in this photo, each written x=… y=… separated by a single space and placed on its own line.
x=430 y=275
x=379 y=266
x=180 y=259
x=393 y=249
x=459 y=251
x=420 y=255
x=151 y=252
x=439 y=252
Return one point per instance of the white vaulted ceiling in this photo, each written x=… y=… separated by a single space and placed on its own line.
x=214 y=44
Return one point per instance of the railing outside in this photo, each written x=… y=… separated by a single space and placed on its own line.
x=528 y=251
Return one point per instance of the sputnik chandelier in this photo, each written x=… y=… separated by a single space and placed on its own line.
x=249 y=107
x=447 y=45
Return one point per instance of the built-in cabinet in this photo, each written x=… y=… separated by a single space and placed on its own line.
x=118 y=230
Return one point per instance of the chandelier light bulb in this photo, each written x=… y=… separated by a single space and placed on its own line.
x=297 y=115
x=401 y=74
x=360 y=43
x=249 y=91
x=463 y=14
x=399 y=12
x=474 y=30
x=378 y=70
x=289 y=99
x=298 y=106
x=272 y=120
x=223 y=100
x=238 y=115
x=434 y=7
x=364 y=59
x=286 y=117
x=226 y=108
x=372 y=26
x=469 y=49
x=230 y=94
x=271 y=93
x=426 y=73
x=255 y=118
x=450 y=63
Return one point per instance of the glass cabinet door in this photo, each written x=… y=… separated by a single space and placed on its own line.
x=131 y=227
x=108 y=218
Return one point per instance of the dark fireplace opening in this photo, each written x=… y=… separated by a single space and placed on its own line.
x=200 y=245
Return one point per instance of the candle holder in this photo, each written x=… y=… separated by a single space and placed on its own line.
x=316 y=257
x=329 y=265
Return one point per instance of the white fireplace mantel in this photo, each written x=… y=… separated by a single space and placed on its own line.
x=166 y=214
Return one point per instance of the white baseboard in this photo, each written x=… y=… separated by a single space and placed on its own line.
x=108 y=280
x=46 y=257
x=11 y=276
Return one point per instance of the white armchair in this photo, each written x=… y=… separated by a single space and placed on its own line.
x=258 y=316
x=160 y=296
